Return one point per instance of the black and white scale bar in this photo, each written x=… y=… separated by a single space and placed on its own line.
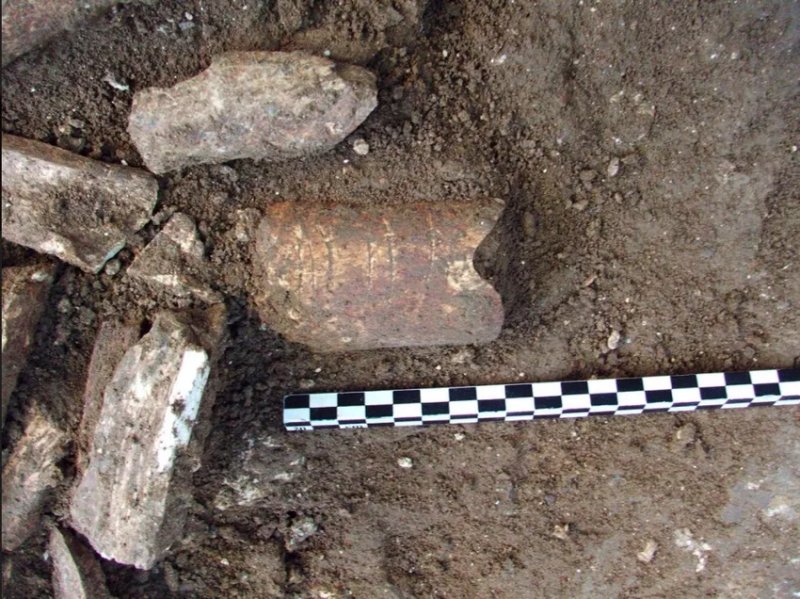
x=534 y=401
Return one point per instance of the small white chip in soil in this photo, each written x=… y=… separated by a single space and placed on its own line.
x=405 y=462
x=561 y=531
x=613 y=340
x=647 y=554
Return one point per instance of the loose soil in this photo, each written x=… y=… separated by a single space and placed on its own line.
x=689 y=252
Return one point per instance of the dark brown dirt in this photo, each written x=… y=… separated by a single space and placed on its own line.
x=690 y=252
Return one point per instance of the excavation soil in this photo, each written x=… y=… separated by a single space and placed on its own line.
x=647 y=159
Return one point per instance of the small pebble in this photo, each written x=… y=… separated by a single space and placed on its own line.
x=613 y=167
x=580 y=205
x=561 y=531
x=405 y=462
x=64 y=305
x=647 y=554
x=112 y=81
x=361 y=147
x=113 y=267
x=613 y=340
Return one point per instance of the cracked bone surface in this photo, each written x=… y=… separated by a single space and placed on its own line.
x=340 y=278
x=131 y=500
x=259 y=105
x=77 y=209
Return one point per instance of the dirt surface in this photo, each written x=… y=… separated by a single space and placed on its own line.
x=689 y=252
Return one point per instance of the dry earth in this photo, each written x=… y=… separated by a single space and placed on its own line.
x=647 y=156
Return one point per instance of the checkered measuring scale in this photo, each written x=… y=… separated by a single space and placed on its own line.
x=534 y=401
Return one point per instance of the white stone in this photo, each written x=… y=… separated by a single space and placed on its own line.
x=131 y=499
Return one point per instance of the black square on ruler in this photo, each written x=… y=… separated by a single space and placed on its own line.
x=350 y=399
x=658 y=395
x=295 y=401
x=713 y=393
x=683 y=381
x=574 y=388
x=379 y=411
x=406 y=396
x=630 y=384
x=431 y=409
x=763 y=389
x=546 y=403
x=463 y=393
x=604 y=399
x=323 y=413
x=519 y=391
x=737 y=378
x=789 y=374
x=491 y=405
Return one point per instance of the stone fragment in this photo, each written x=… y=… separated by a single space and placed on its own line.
x=113 y=339
x=340 y=278
x=28 y=24
x=175 y=260
x=25 y=290
x=259 y=105
x=301 y=530
x=361 y=147
x=78 y=209
x=28 y=478
x=257 y=473
x=76 y=572
x=132 y=497
x=648 y=552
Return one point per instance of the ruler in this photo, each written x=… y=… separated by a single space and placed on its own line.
x=535 y=401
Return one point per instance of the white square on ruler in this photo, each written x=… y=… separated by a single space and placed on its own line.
x=790 y=388
x=576 y=402
x=575 y=414
x=681 y=408
x=741 y=392
x=764 y=376
x=322 y=400
x=435 y=395
x=519 y=404
x=711 y=379
x=407 y=410
x=546 y=389
x=517 y=417
x=378 y=398
x=464 y=408
x=351 y=413
x=656 y=383
x=491 y=391
x=291 y=415
x=691 y=394
x=631 y=398
x=602 y=386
